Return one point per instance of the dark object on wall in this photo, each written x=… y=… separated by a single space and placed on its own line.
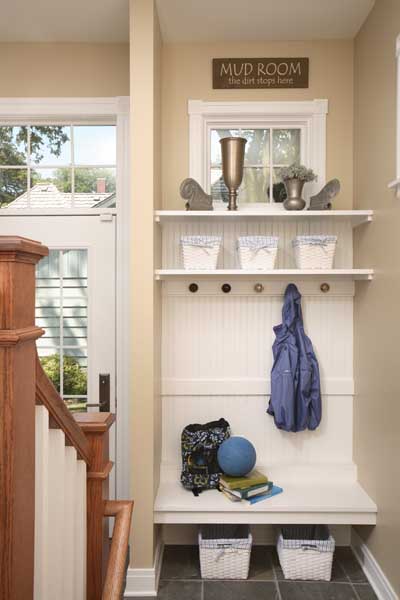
x=323 y=200
x=199 y=448
x=196 y=197
x=260 y=73
x=193 y=287
x=295 y=401
x=278 y=192
x=226 y=288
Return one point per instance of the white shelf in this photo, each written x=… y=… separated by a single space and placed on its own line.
x=356 y=217
x=352 y=274
x=339 y=504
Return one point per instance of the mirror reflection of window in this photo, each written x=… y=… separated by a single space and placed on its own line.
x=267 y=151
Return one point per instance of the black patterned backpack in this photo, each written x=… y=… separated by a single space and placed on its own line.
x=200 y=443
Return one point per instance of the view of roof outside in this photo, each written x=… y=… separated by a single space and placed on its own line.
x=57 y=166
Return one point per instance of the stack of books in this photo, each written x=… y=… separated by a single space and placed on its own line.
x=251 y=488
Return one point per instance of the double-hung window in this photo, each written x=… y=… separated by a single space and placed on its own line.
x=277 y=134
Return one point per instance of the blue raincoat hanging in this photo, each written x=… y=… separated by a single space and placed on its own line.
x=295 y=384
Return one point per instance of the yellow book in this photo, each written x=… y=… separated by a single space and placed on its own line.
x=239 y=483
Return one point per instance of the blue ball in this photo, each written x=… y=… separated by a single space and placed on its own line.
x=236 y=456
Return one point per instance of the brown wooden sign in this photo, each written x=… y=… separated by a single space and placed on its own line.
x=262 y=73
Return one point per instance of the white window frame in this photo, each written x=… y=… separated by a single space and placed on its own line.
x=309 y=116
x=97 y=110
x=395 y=184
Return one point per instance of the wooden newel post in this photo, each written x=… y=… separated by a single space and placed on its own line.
x=18 y=334
x=96 y=428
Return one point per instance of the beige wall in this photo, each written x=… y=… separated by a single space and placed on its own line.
x=187 y=75
x=40 y=70
x=377 y=330
x=145 y=62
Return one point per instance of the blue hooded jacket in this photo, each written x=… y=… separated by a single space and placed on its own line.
x=295 y=401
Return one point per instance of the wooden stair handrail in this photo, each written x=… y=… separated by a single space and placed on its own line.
x=116 y=569
x=60 y=416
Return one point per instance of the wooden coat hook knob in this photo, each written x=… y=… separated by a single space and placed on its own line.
x=226 y=288
x=193 y=287
x=324 y=287
x=258 y=287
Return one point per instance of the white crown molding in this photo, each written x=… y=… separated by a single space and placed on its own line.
x=377 y=578
x=62 y=107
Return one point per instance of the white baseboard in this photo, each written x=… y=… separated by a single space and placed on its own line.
x=144 y=582
x=372 y=570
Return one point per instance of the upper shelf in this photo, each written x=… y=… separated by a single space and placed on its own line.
x=356 y=217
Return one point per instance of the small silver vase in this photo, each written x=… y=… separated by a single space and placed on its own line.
x=294 y=189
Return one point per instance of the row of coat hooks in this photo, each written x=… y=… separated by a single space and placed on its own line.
x=258 y=288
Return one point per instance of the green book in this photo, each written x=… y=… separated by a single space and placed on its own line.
x=240 y=483
x=246 y=493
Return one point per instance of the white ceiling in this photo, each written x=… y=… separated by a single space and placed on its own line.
x=257 y=20
x=182 y=20
x=64 y=21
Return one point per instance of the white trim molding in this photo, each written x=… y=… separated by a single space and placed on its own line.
x=395 y=184
x=308 y=115
x=377 y=578
x=144 y=582
x=65 y=108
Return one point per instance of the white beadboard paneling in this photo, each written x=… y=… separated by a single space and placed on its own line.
x=224 y=337
x=243 y=387
x=331 y=443
x=230 y=231
x=41 y=501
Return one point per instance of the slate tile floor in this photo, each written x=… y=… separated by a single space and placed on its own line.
x=181 y=579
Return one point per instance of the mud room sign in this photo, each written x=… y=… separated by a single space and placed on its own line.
x=253 y=73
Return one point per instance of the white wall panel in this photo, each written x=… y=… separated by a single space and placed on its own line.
x=221 y=340
x=331 y=443
x=217 y=349
x=172 y=232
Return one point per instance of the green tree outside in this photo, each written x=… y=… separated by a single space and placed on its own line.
x=75 y=379
x=13 y=152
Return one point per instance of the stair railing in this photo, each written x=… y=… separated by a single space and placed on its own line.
x=54 y=466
